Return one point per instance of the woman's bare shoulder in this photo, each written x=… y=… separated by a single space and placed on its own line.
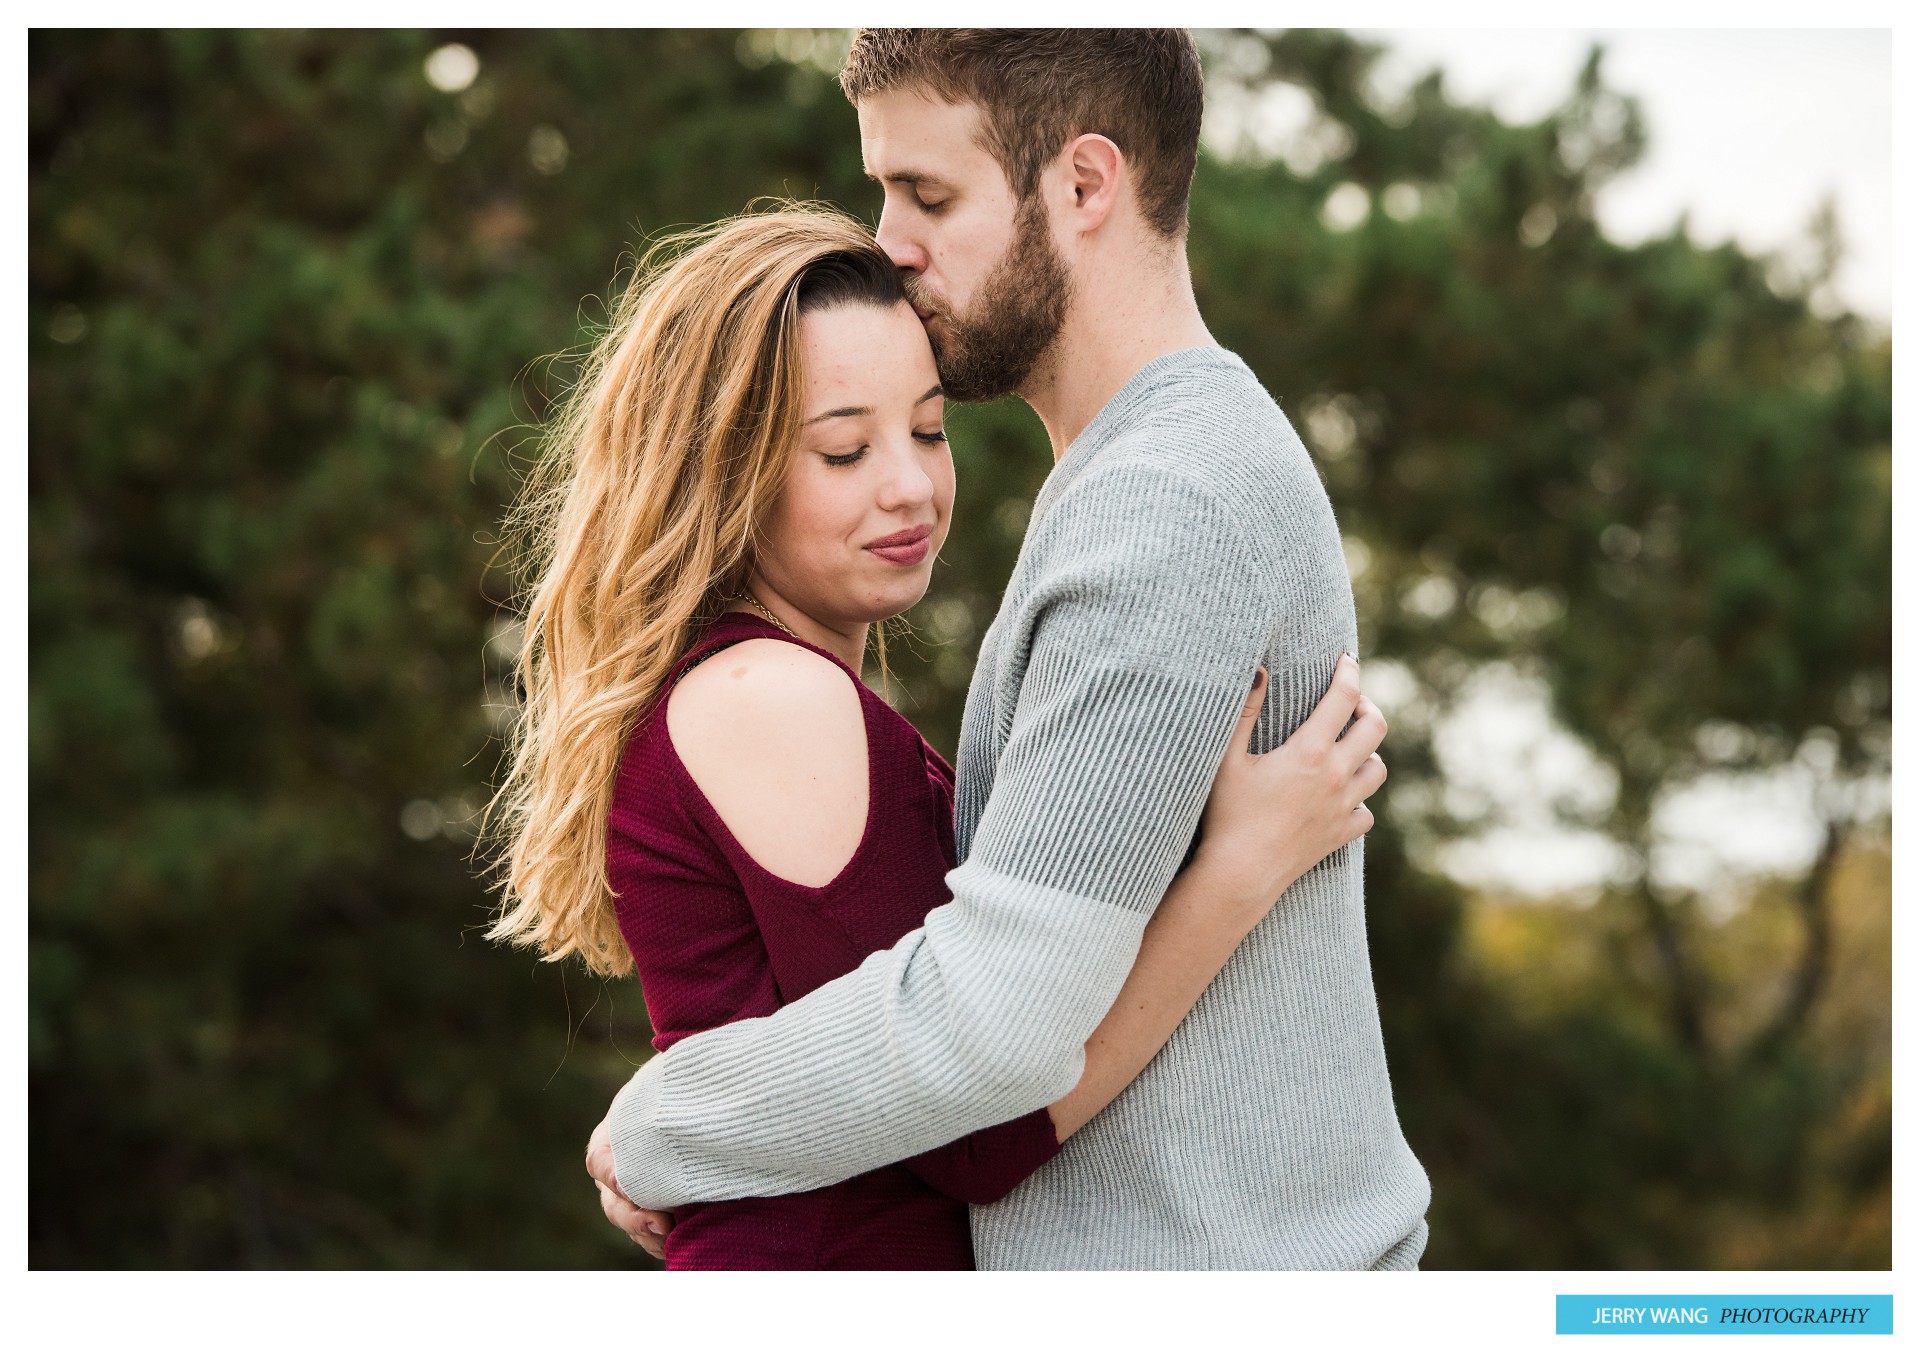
x=775 y=738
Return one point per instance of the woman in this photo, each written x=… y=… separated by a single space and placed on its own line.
x=751 y=473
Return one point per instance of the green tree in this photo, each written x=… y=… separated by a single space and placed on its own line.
x=292 y=308
x=1656 y=477
x=283 y=295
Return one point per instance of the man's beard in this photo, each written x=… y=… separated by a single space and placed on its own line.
x=992 y=350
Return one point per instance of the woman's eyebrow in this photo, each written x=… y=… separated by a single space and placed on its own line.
x=863 y=411
x=839 y=412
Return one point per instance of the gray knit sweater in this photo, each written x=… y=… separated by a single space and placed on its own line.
x=1182 y=539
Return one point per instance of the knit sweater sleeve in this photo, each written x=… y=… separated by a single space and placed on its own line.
x=1141 y=629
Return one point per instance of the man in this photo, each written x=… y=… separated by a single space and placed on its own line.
x=1036 y=186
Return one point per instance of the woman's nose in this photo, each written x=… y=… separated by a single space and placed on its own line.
x=907 y=483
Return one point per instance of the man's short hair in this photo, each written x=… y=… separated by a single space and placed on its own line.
x=1037 y=88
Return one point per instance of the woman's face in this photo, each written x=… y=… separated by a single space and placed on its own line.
x=869 y=490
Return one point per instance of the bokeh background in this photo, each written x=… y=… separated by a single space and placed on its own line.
x=298 y=303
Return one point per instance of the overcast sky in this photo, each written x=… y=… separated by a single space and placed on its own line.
x=1748 y=131
x=1749 y=128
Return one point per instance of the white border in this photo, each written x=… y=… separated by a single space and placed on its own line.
x=532 y=1309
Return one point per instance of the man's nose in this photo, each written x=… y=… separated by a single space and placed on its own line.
x=897 y=242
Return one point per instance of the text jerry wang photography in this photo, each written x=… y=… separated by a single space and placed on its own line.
x=946 y=648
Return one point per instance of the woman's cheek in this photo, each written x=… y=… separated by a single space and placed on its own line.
x=947 y=489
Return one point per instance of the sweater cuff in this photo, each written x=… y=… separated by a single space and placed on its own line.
x=650 y=1171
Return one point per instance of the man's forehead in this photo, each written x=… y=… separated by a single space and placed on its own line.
x=908 y=136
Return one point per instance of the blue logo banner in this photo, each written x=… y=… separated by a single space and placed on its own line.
x=1718 y=1315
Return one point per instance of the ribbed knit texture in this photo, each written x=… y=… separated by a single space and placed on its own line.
x=1183 y=539
x=715 y=937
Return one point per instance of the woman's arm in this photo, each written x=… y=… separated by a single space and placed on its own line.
x=1269 y=819
x=983 y=1167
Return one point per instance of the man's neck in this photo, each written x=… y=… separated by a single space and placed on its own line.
x=1109 y=334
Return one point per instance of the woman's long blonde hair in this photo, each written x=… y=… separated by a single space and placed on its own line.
x=638 y=524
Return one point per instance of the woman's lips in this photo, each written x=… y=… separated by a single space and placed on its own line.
x=906 y=547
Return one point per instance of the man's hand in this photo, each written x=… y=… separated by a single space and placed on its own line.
x=648 y=1228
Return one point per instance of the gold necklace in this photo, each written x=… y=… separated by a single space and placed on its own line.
x=768 y=615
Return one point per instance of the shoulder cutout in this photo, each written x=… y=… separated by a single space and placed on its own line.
x=775 y=737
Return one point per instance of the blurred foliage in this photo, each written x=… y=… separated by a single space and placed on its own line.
x=1824 y=1202
x=291 y=307
x=1656 y=479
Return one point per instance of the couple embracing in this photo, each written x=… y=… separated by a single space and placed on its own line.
x=1100 y=996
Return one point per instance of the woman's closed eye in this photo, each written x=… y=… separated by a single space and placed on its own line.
x=937 y=437
x=851 y=457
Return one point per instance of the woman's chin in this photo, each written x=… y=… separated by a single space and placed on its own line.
x=896 y=602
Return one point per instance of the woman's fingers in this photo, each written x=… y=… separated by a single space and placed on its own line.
x=1360 y=823
x=1369 y=729
x=1323 y=725
x=1368 y=778
x=1249 y=713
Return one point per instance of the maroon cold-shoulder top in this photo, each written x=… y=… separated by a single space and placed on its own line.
x=716 y=937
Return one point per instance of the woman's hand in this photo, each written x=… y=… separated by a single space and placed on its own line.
x=1270 y=818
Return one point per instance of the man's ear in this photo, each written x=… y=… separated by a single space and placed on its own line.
x=1096 y=173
